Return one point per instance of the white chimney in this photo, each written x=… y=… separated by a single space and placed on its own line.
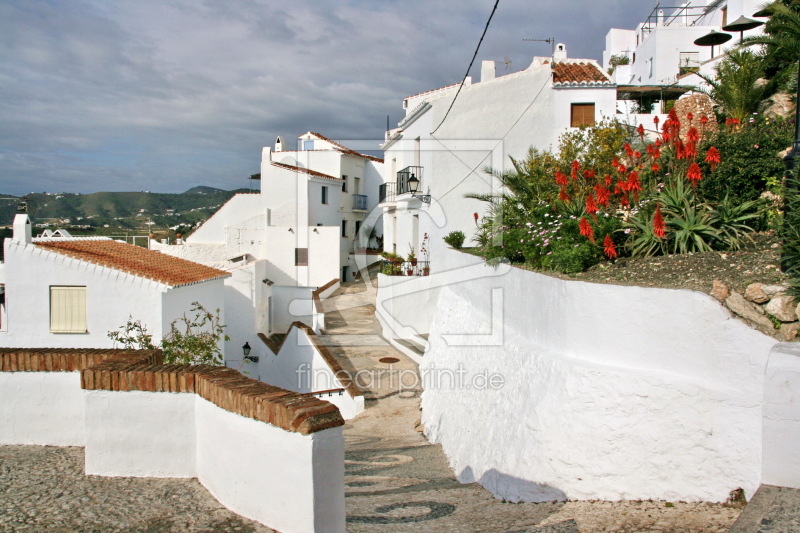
x=560 y=52
x=487 y=71
x=22 y=228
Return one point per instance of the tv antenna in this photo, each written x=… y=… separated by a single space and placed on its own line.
x=550 y=40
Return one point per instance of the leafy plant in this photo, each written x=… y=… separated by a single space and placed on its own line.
x=739 y=86
x=692 y=229
x=733 y=222
x=191 y=341
x=455 y=239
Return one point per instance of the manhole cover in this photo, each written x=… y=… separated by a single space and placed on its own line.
x=389 y=360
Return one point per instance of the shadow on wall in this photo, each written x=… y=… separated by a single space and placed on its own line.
x=514 y=488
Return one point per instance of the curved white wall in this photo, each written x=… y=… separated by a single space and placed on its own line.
x=609 y=392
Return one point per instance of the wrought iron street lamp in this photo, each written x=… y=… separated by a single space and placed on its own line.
x=413 y=187
x=246 y=351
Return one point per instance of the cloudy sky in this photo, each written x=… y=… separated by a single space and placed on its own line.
x=163 y=95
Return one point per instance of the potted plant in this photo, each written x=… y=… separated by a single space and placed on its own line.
x=412 y=257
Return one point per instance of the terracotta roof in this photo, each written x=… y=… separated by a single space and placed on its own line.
x=578 y=73
x=305 y=171
x=134 y=260
x=344 y=149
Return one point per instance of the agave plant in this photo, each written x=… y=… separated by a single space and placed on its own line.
x=691 y=228
x=643 y=241
x=730 y=220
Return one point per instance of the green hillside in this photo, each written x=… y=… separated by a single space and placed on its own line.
x=142 y=211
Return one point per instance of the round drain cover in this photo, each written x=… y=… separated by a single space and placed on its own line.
x=389 y=360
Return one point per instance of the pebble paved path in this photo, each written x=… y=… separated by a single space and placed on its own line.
x=395 y=480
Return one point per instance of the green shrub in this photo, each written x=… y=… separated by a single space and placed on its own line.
x=455 y=239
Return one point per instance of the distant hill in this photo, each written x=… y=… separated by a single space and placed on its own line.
x=130 y=210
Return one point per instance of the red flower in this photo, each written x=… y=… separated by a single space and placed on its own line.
x=659 y=228
x=634 y=184
x=589 y=174
x=694 y=175
x=591 y=206
x=690 y=150
x=640 y=131
x=637 y=154
x=475 y=216
x=692 y=135
x=562 y=195
x=561 y=179
x=712 y=157
x=655 y=168
x=586 y=229
x=628 y=149
x=656 y=120
x=650 y=150
x=615 y=162
x=575 y=167
x=704 y=119
x=690 y=116
x=609 y=248
x=603 y=195
x=608 y=180
x=623 y=201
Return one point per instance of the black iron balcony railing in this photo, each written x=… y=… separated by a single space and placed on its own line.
x=406 y=268
x=386 y=193
x=360 y=202
x=404 y=175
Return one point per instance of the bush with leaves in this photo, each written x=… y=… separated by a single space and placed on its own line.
x=194 y=340
x=455 y=239
x=748 y=159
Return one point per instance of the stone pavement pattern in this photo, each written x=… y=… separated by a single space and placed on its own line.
x=43 y=488
x=395 y=480
x=771 y=510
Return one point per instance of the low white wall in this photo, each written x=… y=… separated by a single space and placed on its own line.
x=604 y=391
x=406 y=304
x=291 y=304
x=44 y=408
x=142 y=434
x=299 y=367
x=274 y=476
x=285 y=480
x=781 y=465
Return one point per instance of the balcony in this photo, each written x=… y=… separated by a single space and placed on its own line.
x=406 y=268
x=404 y=175
x=359 y=202
x=386 y=193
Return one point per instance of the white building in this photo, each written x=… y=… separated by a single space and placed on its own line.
x=661 y=53
x=498 y=117
x=71 y=292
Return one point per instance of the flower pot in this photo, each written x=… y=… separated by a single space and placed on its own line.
x=413 y=262
x=409 y=272
x=426 y=271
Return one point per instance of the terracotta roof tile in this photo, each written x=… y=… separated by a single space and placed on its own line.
x=568 y=73
x=344 y=149
x=305 y=171
x=134 y=260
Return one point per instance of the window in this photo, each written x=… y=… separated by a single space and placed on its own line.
x=651 y=67
x=324 y=195
x=301 y=257
x=67 y=309
x=344 y=182
x=581 y=115
x=344 y=228
x=358 y=226
x=308 y=145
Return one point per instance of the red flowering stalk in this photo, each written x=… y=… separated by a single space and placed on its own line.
x=692 y=136
x=640 y=131
x=615 y=162
x=589 y=174
x=609 y=248
x=608 y=180
x=561 y=179
x=712 y=158
x=656 y=120
x=704 y=120
x=637 y=154
x=623 y=201
x=650 y=150
x=603 y=195
x=586 y=229
x=562 y=195
x=694 y=175
x=690 y=150
x=634 y=184
x=575 y=167
x=628 y=150
x=690 y=116
x=659 y=227
x=591 y=206
x=655 y=168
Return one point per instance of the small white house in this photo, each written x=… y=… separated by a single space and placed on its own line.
x=70 y=292
x=448 y=149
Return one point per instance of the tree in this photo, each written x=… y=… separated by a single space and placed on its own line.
x=191 y=341
x=739 y=87
x=781 y=42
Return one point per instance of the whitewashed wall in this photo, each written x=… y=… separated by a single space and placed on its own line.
x=781 y=464
x=285 y=480
x=323 y=255
x=299 y=367
x=609 y=392
x=44 y=408
x=236 y=213
x=178 y=302
x=30 y=271
x=405 y=305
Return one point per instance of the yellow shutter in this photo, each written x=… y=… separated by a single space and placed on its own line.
x=582 y=115
x=67 y=309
